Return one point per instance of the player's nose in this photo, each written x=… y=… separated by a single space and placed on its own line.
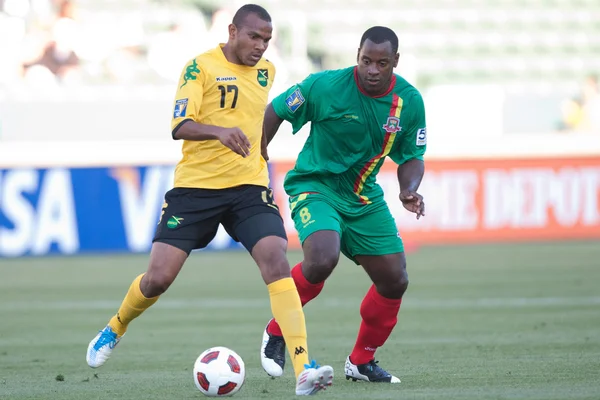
x=372 y=70
x=260 y=46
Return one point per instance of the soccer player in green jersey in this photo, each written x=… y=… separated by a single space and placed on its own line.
x=359 y=116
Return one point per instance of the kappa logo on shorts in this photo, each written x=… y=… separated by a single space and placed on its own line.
x=174 y=222
x=180 y=108
x=422 y=137
x=294 y=100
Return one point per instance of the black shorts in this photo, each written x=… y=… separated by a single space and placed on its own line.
x=190 y=217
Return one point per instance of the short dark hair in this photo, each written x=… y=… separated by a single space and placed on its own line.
x=380 y=34
x=245 y=10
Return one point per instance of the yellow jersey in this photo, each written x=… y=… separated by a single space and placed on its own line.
x=213 y=91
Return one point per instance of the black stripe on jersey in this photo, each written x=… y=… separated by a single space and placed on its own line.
x=179 y=125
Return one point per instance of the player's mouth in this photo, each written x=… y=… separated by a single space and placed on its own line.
x=255 y=57
x=372 y=81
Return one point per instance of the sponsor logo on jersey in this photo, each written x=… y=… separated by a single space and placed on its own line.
x=422 y=137
x=190 y=70
x=226 y=78
x=392 y=125
x=180 y=108
x=262 y=77
x=294 y=100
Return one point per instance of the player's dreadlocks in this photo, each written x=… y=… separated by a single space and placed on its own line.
x=245 y=10
x=380 y=34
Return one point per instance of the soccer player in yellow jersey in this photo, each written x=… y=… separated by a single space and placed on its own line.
x=222 y=178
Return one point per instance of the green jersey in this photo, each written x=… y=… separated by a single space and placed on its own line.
x=351 y=133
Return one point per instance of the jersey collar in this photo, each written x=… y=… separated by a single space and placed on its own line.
x=392 y=84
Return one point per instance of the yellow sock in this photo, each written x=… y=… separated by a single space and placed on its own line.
x=132 y=306
x=287 y=310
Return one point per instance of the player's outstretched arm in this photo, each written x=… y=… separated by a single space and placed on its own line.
x=271 y=124
x=233 y=138
x=410 y=175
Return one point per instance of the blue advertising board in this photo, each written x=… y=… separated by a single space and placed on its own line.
x=84 y=210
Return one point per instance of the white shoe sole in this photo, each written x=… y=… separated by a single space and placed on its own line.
x=322 y=378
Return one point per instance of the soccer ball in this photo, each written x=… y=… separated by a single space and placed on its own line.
x=218 y=372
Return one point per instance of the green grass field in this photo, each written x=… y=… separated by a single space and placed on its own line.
x=481 y=322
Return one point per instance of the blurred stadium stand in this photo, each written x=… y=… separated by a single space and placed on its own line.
x=486 y=67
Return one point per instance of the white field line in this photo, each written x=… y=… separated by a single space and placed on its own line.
x=219 y=303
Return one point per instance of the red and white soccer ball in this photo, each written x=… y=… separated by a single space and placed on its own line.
x=219 y=372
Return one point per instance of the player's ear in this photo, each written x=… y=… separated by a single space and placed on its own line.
x=396 y=58
x=232 y=31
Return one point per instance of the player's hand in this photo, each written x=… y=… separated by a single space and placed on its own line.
x=263 y=147
x=413 y=202
x=234 y=139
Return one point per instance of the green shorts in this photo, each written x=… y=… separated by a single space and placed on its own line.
x=366 y=230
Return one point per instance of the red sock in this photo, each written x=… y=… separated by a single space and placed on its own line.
x=379 y=316
x=306 y=290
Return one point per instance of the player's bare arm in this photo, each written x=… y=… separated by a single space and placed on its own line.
x=233 y=138
x=271 y=124
x=410 y=175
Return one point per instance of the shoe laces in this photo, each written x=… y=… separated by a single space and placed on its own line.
x=313 y=365
x=375 y=368
x=107 y=337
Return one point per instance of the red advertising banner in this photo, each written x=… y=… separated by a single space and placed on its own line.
x=473 y=201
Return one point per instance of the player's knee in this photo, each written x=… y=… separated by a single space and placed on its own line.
x=155 y=283
x=317 y=267
x=401 y=285
x=275 y=269
x=270 y=255
x=395 y=286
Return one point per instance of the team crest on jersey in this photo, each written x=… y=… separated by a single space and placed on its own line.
x=294 y=100
x=263 y=77
x=392 y=125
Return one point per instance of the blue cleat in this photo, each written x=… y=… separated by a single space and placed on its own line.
x=101 y=347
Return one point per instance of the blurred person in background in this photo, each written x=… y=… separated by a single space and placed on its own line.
x=359 y=116
x=222 y=179
x=582 y=113
x=57 y=56
x=591 y=104
x=572 y=115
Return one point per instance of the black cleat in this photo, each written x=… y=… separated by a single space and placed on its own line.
x=272 y=354
x=369 y=372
